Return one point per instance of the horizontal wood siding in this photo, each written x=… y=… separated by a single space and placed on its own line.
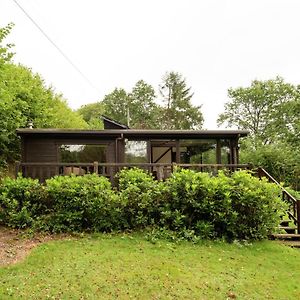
x=40 y=150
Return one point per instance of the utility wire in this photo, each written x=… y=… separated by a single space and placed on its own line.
x=57 y=48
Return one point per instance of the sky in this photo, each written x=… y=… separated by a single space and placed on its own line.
x=214 y=44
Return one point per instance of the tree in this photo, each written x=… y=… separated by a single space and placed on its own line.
x=137 y=109
x=24 y=97
x=5 y=54
x=178 y=112
x=91 y=113
x=143 y=109
x=116 y=105
x=266 y=108
x=270 y=110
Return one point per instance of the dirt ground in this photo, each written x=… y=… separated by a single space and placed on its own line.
x=15 y=245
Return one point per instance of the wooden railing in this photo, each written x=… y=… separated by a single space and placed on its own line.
x=43 y=170
x=294 y=204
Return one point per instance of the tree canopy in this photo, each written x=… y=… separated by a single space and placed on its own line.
x=25 y=97
x=140 y=108
x=91 y=114
x=178 y=113
x=269 y=109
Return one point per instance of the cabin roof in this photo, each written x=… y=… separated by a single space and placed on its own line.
x=132 y=133
x=112 y=124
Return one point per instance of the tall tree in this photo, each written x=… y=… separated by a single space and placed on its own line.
x=267 y=108
x=24 y=97
x=178 y=112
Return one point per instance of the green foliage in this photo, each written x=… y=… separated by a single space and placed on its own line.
x=266 y=108
x=257 y=205
x=138 y=109
x=140 y=196
x=236 y=207
x=25 y=97
x=21 y=201
x=278 y=159
x=271 y=111
x=82 y=203
x=91 y=113
x=188 y=206
x=117 y=105
x=5 y=54
x=144 y=112
x=178 y=112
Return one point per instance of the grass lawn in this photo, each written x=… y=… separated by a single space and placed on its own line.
x=129 y=267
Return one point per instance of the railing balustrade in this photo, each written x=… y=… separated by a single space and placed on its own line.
x=44 y=170
x=294 y=204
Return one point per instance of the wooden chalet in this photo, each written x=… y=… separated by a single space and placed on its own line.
x=49 y=152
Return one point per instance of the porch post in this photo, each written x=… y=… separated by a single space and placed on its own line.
x=298 y=216
x=233 y=152
x=177 y=152
x=218 y=152
x=149 y=155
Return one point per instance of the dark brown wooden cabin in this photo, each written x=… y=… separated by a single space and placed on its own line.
x=49 y=152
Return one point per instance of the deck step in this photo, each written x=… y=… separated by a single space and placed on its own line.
x=285 y=223
x=287 y=227
x=293 y=244
x=286 y=236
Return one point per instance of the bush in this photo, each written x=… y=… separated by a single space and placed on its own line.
x=188 y=205
x=21 y=201
x=257 y=205
x=236 y=207
x=140 y=196
x=187 y=199
x=81 y=203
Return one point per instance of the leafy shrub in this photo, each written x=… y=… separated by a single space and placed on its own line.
x=188 y=205
x=257 y=205
x=236 y=207
x=279 y=159
x=186 y=199
x=82 y=202
x=21 y=201
x=140 y=196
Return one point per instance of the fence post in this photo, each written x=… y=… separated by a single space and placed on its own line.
x=96 y=164
x=17 y=168
x=298 y=216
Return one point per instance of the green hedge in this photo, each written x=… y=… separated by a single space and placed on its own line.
x=189 y=204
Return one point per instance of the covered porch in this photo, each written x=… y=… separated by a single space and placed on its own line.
x=50 y=152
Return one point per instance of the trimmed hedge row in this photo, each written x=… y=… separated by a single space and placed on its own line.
x=238 y=206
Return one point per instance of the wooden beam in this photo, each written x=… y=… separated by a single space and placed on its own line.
x=218 y=152
x=177 y=152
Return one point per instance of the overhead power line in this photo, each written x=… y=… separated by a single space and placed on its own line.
x=57 y=47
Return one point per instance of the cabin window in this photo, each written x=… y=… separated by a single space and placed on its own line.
x=225 y=151
x=136 y=151
x=198 y=151
x=83 y=153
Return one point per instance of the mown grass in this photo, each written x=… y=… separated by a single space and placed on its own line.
x=129 y=267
